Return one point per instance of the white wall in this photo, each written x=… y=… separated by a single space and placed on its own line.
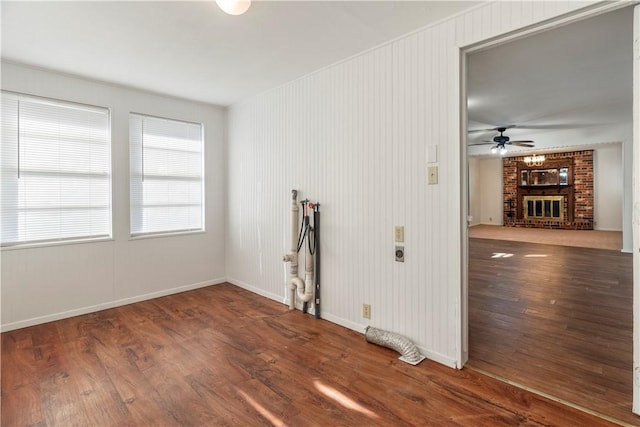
x=485 y=190
x=47 y=283
x=608 y=187
x=353 y=137
x=491 y=187
x=475 y=191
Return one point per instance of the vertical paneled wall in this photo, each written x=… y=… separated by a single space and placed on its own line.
x=353 y=137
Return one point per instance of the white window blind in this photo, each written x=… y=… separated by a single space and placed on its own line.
x=166 y=175
x=56 y=170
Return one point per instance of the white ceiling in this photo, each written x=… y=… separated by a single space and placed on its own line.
x=576 y=77
x=194 y=50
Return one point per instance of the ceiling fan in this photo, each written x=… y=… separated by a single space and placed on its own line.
x=500 y=142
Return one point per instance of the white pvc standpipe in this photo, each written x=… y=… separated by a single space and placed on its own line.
x=303 y=289
x=292 y=256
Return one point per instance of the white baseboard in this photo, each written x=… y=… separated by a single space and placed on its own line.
x=255 y=290
x=439 y=358
x=326 y=316
x=431 y=355
x=343 y=322
x=112 y=304
x=124 y=301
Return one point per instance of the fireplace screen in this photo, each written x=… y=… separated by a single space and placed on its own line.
x=544 y=207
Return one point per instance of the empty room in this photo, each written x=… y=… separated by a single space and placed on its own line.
x=272 y=213
x=550 y=277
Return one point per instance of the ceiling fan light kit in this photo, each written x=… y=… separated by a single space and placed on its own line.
x=501 y=141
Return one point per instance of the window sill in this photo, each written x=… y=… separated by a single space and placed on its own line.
x=20 y=246
x=160 y=235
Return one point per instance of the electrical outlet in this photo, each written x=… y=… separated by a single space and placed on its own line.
x=400 y=253
x=366 y=311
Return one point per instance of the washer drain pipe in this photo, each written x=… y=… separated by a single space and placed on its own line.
x=408 y=350
x=303 y=289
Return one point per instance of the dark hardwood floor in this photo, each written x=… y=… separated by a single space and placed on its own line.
x=222 y=356
x=555 y=319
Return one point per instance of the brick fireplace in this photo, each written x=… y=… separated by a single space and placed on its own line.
x=555 y=193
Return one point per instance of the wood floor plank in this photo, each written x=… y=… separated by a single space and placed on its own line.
x=226 y=357
x=21 y=391
x=560 y=322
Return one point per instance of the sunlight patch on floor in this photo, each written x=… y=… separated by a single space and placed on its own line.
x=343 y=400
x=261 y=409
x=501 y=255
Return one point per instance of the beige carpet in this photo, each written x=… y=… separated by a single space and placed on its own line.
x=580 y=238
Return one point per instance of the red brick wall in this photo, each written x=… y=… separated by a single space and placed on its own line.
x=582 y=166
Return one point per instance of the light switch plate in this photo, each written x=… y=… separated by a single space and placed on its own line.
x=432 y=153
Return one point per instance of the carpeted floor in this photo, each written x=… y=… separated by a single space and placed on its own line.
x=611 y=240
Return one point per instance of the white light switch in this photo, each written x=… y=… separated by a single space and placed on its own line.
x=432 y=175
x=432 y=153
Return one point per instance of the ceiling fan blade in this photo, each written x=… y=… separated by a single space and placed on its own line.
x=495 y=129
x=558 y=126
x=523 y=143
x=481 y=130
x=483 y=143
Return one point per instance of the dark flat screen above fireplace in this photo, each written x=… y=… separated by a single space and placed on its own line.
x=540 y=177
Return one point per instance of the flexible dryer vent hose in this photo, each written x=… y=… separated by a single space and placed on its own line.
x=409 y=352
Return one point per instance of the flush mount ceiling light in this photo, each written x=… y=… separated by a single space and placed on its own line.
x=234 y=7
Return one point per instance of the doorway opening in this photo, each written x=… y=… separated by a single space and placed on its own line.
x=551 y=317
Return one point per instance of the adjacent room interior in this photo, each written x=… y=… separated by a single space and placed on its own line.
x=165 y=166
x=550 y=273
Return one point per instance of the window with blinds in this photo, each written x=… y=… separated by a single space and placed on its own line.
x=56 y=171
x=167 y=187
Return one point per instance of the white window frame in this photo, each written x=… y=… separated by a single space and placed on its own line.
x=13 y=167
x=141 y=172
